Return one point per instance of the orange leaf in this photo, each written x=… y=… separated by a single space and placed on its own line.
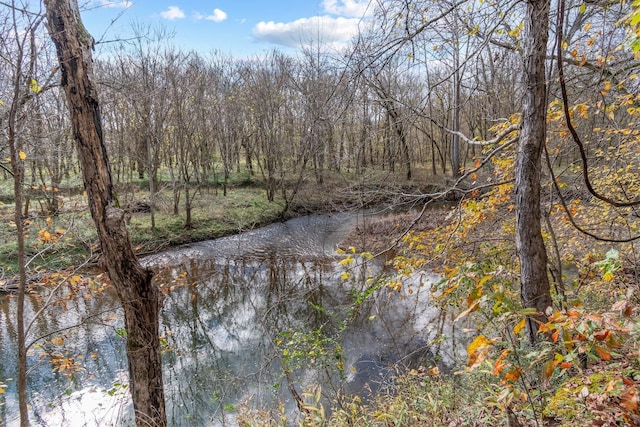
x=544 y=328
x=601 y=335
x=579 y=337
x=499 y=366
x=566 y=365
x=513 y=375
x=501 y=363
x=604 y=354
x=629 y=399
x=548 y=369
x=555 y=335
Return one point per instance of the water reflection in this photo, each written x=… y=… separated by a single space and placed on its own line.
x=252 y=319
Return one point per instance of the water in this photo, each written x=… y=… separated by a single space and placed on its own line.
x=247 y=320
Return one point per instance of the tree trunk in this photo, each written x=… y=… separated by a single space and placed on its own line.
x=139 y=297
x=17 y=167
x=534 y=282
x=455 y=143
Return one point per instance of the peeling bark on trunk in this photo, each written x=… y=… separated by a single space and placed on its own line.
x=534 y=281
x=138 y=296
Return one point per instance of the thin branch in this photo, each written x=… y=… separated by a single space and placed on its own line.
x=496 y=140
x=572 y=129
x=83 y=320
x=570 y=216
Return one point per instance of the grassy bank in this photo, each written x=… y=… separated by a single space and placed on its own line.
x=68 y=237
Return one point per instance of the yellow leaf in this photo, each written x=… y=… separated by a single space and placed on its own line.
x=34 y=86
x=588 y=26
x=44 y=235
x=474 y=295
x=22 y=155
x=346 y=261
x=547 y=369
x=484 y=280
x=478 y=350
x=57 y=341
x=520 y=326
x=478 y=342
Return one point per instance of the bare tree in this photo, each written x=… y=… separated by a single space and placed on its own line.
x=139 y=297
x=21 y=29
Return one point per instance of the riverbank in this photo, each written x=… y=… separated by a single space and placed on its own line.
x=68 y=239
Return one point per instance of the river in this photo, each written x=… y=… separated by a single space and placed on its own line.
x=247 y=320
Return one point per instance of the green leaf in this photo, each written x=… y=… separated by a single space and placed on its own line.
x=583 y=8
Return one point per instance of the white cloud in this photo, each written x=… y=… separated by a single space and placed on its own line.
x=174 y=12
x=351 y=8
x=306 y=31
x=217 y=16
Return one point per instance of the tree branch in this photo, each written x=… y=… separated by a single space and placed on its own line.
x=572 y=129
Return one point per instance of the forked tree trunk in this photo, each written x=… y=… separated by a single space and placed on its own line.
x=534 y=282
x=140 y=299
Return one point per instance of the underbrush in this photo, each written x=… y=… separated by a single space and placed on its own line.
x=415 y=398
x=583 y=369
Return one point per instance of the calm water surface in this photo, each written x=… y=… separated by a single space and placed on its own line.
x=239 y=315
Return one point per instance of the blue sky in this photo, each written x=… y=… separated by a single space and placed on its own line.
x=238 y=27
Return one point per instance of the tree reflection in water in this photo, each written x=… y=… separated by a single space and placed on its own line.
x=246 y=320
